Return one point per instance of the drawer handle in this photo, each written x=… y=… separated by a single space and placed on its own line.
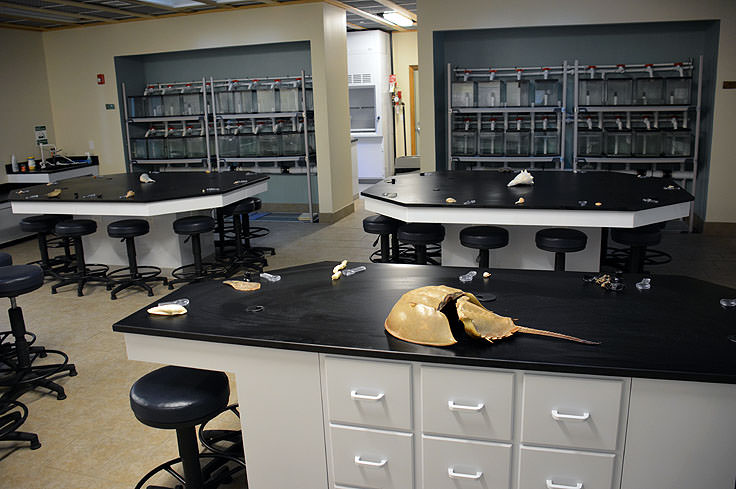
x=359 y=461
x=464 y=407
x=552 y=485
x=365 y=397
x=577 y=417
x=459 y=475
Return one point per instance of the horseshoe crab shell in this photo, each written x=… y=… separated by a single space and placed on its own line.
x=418 y=317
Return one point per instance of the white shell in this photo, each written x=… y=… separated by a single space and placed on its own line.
x=144 y=178
x=522 y=178
x=168 y=310
x=336 y=275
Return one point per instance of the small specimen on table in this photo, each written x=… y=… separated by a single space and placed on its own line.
x=129 y=194
x=54 y=193
x=450 y=200
x=520 y=201
x=486 y=274
x=598 y=204
x=649 y=200
x=242 y=285
x=522 y=178
x=168 y=310
x=670 y=187
x=418 y=317
x=144 y=178
x=606 y=281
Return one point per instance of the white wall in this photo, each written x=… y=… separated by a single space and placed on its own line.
x=405 y=54
x=75 y=56
x=25 y=95
x=440 y=15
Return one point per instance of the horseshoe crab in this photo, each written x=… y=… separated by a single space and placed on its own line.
x=425 y=316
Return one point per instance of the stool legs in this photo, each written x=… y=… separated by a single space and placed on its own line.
x=385 y=249
x=197 y=252
x=189 y=452
x=636 y=259
x=394 y=247
x=81 y=277
x=559 y=261
x=44 y=251
x=27 y=376
x=420 y=250
x=136 y=276
x=484 y=258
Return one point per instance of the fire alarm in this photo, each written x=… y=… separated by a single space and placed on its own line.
x=100 y=79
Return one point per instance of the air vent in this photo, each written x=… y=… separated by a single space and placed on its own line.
x=360 y=79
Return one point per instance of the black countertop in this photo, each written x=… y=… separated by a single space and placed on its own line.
x=675 y=330
x=560 y=190
x=168 y=186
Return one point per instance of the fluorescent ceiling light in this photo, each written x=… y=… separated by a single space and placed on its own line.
x=398 y=19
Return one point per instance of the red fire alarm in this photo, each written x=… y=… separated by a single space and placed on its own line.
x=100 y=79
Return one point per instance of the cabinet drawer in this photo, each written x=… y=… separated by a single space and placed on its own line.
x=368 y=392
x=571 y=412
x=464 y=402
x=541 y=468
x=463 y=464
x=370 y=458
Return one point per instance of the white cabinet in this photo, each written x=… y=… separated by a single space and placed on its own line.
x=372 y=458
x=541 y=468
x=680 y=435
x=467 y=403
x=571 y=412
x=368 y=393
x=463 y=464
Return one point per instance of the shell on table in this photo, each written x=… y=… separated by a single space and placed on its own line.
x=167 y=310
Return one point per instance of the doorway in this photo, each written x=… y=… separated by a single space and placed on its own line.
x=414 y=109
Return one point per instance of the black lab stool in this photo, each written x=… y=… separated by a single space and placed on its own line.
x=193 y=227
x=638 y=239
x=386 y=228
x=245 y=255
x=21 y=375
x=179 y=398
x=420 y=236
x=43 y=226
x=133 y=274
x=484 y=239
x=85 y=273
x=560 y=241
x=253 y=232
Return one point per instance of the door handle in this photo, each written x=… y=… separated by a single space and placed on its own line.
x=459 y=475
x=463 y=407
x=368 y=463
x=576 y=417
x=365 y=397
x=552 y=485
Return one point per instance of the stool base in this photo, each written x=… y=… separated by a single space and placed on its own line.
x=11 y=421
x=123 y=278
x=93 y=273
x=188 y=273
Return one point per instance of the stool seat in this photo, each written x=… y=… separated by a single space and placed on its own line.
x=194 y=225
x=379 y=224
x=75 y=227
x=244 y=207
x=642 y=236
x=5 y=259
x=561 y=240
x=421 y=233
x=128 y=228
x=173 y=397
x=17 y=280
x=41 y=224
x=484 y=237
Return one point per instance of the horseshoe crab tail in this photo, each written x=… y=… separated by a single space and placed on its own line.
x=524 y=329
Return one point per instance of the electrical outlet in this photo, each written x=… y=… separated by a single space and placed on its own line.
x=91 y=144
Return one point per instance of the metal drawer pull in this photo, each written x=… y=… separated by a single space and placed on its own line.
x=368 y=463
x=459 y=475
x=577 y=417
x=462 y=407
x=552 y=485
x=365 y=397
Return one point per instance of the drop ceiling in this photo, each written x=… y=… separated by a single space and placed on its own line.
x=42 y=15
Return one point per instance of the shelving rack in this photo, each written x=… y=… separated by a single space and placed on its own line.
x=222 y=126
x=636 y=118
x=528 y=115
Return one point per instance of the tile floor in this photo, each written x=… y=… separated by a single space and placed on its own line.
x=92 y=439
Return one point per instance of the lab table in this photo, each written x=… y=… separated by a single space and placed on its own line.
x=171 y=196
x=588 y=201
x=328 y=399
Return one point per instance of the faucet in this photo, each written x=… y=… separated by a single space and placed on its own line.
x=149 y=132
x=647 y=123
